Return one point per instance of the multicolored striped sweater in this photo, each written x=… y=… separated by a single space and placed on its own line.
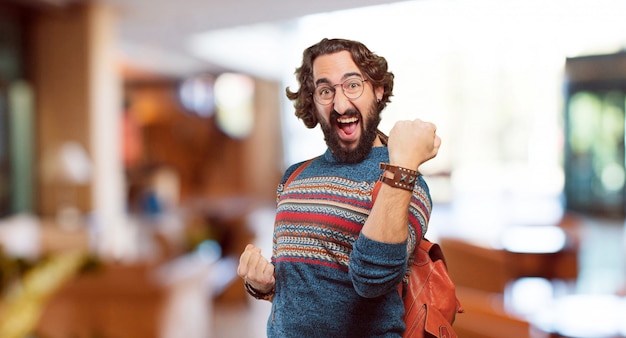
x=330 y=280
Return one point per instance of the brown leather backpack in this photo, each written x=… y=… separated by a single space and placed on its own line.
x=430 y=303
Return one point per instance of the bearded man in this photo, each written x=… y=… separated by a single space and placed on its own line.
x=341 y=249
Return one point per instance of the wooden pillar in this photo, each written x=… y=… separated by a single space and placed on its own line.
x=78 y=99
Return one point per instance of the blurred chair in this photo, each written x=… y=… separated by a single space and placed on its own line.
x=113 y=301
x=486 y=317
x=545 y=251
x=481 y=275
x=475 y=266
x=137 y=300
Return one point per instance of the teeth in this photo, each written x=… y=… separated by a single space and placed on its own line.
x=347 y=120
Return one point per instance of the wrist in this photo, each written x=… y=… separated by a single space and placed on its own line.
x=402 y=178
x=252 y=291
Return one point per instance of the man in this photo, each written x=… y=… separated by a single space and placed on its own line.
x=340 y=250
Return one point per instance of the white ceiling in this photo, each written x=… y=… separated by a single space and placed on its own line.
x=170 y=20
x=154 y=34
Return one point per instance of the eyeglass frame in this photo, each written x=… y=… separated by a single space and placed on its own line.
x=343 y=90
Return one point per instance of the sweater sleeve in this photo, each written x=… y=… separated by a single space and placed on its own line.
x=375 y=267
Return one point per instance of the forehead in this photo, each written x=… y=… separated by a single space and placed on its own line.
x=334 y=67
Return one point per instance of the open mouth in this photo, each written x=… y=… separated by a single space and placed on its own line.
x=348 y=125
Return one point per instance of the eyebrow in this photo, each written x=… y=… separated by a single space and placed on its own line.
x=343 y=78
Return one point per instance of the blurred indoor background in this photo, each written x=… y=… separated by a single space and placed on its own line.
x=141 y=142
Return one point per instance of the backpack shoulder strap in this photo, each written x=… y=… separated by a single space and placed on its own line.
x=298 y=170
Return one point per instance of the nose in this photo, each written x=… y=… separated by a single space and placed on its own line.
x=341 y=103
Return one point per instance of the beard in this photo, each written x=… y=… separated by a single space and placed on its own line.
x=368 y=127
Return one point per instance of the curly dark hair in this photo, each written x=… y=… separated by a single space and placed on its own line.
x=373 y=67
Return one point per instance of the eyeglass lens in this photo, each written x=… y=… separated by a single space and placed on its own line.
x=352 y=88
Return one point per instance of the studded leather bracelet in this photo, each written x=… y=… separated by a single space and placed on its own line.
x=403 y=178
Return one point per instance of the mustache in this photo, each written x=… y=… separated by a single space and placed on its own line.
x=334 y=115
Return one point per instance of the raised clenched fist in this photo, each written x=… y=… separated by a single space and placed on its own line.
x=412 y=143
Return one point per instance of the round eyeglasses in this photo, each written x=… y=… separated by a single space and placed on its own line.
x=352 y=88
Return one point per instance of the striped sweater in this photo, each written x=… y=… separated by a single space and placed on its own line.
x=330 y=281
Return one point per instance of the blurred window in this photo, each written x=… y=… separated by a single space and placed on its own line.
x=595 y=171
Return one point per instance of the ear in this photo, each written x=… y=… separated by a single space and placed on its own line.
x=379 y=91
